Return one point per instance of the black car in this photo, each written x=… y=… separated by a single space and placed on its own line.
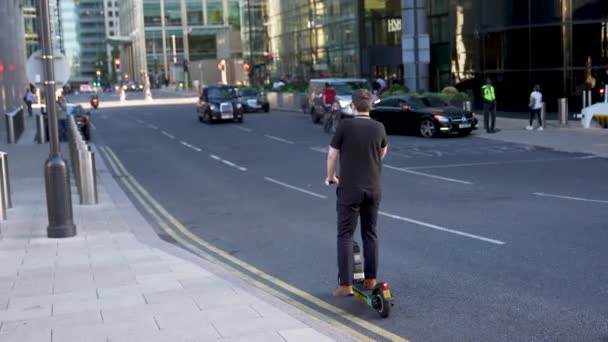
x=426 y=116
x=218 y=103
x=253 y=100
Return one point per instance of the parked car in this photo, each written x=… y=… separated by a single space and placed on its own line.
x=82 y=119
x=344 y=88
x=219 y=103
x=253 y=100
x=423 y=115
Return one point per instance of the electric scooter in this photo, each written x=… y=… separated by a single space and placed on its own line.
x=380 y=297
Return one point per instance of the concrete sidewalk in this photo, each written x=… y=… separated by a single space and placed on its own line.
x=118 y=281
x=571 y=138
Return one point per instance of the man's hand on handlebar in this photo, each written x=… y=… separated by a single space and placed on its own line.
x=331 y=180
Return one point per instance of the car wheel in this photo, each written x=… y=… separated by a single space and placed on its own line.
x=200 y=119
x=428 y=129
x=465 y=132
x=266 y=108
x=207 y=117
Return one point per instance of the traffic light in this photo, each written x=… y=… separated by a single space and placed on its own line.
x=117 y=64
x=246 y=67
x=98 y=73
x=186 y=64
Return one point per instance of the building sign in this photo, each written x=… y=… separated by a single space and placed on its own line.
x=394 y=25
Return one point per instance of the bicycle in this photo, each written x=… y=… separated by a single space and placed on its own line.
x=331 y=117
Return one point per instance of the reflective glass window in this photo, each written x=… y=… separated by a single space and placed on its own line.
x=215 y=12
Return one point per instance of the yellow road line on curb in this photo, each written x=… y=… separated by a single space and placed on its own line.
x=240 y=274
x=279 y=283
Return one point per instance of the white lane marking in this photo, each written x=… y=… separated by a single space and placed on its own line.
x=278 y=139
x=427 y=175
x=93 y=126
x=443 y=229
x=229 y=163
x=506 y=162
x=272 y=180
x=571 y=198
x=592 y=157
x=168 y=135
x=153 y=126
x=320 y=149
x=190 y=146
x=244 y=129
x=141 y=122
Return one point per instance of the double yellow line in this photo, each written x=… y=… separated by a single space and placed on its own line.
x=206 y=250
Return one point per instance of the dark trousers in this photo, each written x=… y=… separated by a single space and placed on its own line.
x=63 y=129
x=489 y=116
x=353 y=204
x=533 y=113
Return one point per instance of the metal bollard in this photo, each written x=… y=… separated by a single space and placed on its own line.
x=543 y=114
x=466 y=106
x=88 y=179
x=6 y=185
x=562 y=105
x=40 y=129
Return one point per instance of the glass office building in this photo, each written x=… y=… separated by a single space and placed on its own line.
x=12 y=56
x=338 y=38
x=204 y=19
x=560 y=44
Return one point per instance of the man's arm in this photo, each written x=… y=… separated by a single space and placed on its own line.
x=384 y=151
x=332 y=161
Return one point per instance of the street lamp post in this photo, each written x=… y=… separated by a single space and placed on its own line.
x=57 y=178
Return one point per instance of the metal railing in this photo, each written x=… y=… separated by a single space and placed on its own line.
x=5 y=186
x=15 y=125
x=83 y=164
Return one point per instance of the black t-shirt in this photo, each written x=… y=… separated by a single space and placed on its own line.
x=360 y=141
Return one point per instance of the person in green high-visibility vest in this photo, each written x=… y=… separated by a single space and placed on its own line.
x=489 y=106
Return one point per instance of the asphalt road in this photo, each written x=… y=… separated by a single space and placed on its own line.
x=476 y=242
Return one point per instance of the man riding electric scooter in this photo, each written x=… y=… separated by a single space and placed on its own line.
x=360 y=144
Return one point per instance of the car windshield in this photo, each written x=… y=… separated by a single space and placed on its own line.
x=347 y=88
x=221 y=93
x=248 y=92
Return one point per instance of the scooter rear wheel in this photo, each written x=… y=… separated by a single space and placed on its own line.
x=381 y=304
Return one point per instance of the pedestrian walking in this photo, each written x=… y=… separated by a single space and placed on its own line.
x=535 y=105
x=29 y=99
x=62 y=118
x=489 y=106
x=360 y=145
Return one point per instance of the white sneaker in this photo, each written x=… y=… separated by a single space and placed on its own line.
x=529 y=128
x=540 y=128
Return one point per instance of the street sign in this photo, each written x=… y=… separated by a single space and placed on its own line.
x=35 y=72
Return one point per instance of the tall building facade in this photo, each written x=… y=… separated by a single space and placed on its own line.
x=334 y=38
x=12 y=55
x=560 y=44
x=93 y=51
x=175 y=31
x=112 y=25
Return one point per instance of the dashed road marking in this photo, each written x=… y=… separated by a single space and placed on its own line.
x=289 y=186
x=407 y=170
x=244 y=129
x=443 y=229
x=170 y=136
x=229 y=163
x=190 y=146
x=580 y=199
x=272 y=137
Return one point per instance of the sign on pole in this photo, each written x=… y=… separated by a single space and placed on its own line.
x=35 y=71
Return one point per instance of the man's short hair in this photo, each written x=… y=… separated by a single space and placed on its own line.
x=362 y=99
